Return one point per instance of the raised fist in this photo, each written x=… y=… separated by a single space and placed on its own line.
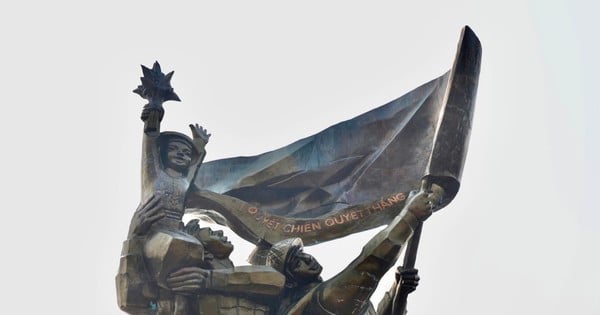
x=422 y=204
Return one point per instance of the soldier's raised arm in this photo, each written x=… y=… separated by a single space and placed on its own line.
x=349 y=291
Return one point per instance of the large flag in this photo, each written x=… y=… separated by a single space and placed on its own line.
x=353 y=176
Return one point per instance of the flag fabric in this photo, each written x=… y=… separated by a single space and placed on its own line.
x=350 y=177
x=353 y=176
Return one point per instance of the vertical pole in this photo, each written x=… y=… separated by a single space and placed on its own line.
x=410 y=257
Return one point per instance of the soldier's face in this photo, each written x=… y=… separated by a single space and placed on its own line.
x=215 y=242
x=305 y=266
x=179 y=155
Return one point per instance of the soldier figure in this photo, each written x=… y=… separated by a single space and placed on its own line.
x=212 y=287
x=349 y=291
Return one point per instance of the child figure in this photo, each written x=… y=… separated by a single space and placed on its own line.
x=170 y=161
x=169 y=164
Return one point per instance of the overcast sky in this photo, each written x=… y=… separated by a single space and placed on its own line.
x=520 y=238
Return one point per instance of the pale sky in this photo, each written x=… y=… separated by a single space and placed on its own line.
x=520 y=237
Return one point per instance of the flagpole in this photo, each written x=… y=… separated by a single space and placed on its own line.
x=410 y=257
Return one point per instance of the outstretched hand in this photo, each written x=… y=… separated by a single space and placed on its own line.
x=147 y=213
x=422 y=204
x=188 y=280
x=199 y=133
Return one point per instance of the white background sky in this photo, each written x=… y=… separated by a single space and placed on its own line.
x=520 y=238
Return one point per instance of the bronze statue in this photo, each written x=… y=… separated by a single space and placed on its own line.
x=349 y=291
x=392 y=166
x=210 y=287
x=168 y=250
x=170 y=162
x=213 y=286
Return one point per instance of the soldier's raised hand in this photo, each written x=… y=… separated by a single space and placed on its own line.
x=422 y=204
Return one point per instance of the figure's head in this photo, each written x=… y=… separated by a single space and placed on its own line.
x=214 y=242
x=176 y=151
x=289 y=258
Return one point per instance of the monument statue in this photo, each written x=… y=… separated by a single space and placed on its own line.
x=394 y=165
x=349 y=291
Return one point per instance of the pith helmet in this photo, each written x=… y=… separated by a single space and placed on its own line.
x=282 y=251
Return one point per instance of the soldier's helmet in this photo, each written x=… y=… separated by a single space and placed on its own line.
x=281 y=253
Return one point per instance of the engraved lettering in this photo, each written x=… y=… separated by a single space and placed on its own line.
x=316 y=225
x=338 y=220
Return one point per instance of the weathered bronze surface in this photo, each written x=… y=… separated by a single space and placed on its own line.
x=353 y=176
x=394 y=165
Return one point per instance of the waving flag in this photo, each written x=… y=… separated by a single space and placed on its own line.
x=353 y=176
